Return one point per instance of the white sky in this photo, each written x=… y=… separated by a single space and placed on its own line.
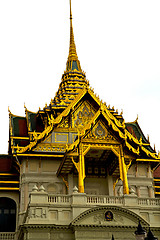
x=118 y=45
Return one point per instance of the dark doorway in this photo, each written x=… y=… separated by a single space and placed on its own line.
x=7 y=215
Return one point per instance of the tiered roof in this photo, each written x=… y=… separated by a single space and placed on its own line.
x=73 y=79
x=26 y=132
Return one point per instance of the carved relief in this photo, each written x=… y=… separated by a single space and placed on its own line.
x=103 y=218
x=64 y=123
x=38 y=213
x=44 y=147
x=83 y=115
x=100 y=132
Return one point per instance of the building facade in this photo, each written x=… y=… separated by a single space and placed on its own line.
x=76 y=170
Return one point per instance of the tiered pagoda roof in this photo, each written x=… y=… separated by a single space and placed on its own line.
x=73 y=79
x=26 y=132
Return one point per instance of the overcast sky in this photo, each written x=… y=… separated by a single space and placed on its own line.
x=118 y=45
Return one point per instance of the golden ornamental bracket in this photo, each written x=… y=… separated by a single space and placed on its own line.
x=75 y=164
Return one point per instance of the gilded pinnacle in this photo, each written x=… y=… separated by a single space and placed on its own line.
x=72 y=62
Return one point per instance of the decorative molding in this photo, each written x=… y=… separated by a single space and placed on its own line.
x=52 y=147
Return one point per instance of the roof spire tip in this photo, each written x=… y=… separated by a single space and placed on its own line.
x=9 y=110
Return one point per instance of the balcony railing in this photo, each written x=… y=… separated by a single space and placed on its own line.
x=59 y=199
x=7 y=235
x=149 y=201
x=103 y=200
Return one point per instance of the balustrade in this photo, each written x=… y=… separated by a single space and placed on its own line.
x=149 y=201
x=59 y=199
x=7 y=236
x=102 y=200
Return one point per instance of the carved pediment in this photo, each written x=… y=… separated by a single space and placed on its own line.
x=108 y=216
x=100 y=131
x=83 y=114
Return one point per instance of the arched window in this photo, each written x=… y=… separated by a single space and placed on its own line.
x=7 y=215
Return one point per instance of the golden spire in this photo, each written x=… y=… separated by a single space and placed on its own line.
x=73 y=79
x=72 y=62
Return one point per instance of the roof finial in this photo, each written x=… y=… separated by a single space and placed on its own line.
x=72 y=62
x=9 y=110
x=70 y=10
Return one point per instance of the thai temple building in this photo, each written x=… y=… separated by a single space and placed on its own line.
x=75 y=170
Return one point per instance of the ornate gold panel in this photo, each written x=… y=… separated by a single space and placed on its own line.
x=64 y=123
x=100 y=132
x=46 y=147
x=82 y=115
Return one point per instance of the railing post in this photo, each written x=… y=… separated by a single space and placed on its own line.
x=38 y=196
x=78 y=202
x=130 y=200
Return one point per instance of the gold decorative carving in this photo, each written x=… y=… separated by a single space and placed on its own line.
x=82 y=115
x=45 y=147
x=64 y=123
x=100 y=132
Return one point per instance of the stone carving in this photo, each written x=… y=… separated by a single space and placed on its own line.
x=132 y=191
x=120 y=191
x=38 y=213
x=99 y=217
x=114 y=219
x=35 y=188
x=119 y=218
x=75 y=189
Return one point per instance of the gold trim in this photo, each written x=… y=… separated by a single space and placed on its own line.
x=9 y=181
x=73 y=130
x=149 y=153
x=105 y=112
x=132 y=148
x=8 y=174
x=148 y=160
x=38 y=155
x=13 y=137
x=156 y=180
x=8 y=188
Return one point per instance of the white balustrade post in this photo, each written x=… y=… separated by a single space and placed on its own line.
x=78 y=202
x=38 y=196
